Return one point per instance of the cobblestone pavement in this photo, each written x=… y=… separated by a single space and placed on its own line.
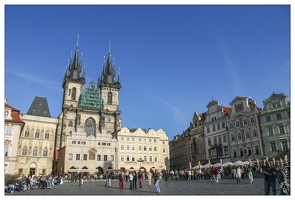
x=227 y=186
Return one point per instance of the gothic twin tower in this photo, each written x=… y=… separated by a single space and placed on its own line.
x=92 y=109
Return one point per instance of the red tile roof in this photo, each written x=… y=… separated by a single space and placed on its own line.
x=14 y=114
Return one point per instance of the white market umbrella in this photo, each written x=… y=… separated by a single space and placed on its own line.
x=216 y=165
x=220 y=162
x=209 y=163
x=227 y=164
x=239 y=163
x=246 y=162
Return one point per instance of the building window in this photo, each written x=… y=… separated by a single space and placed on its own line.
x=27 y=133
x=127 y=139
x=73 y=142
x=282 y=130
x=279 y=116
x=139 y=147
x=213 y=128
x=150 y=148
x=225 y=150
x=234 y=153
x=105 y=157
x=155 y=140
x=256 y=150
x=122 y=138
x=70 y=156
x=163 y=142
x=245 y=122
x=268 y=118
x=144 y=158
x=270 y=131
x=37 y=134
x=20 y=171
x=35 y=151
x=70 y=133
x=132 y=139
x=239 y=136
x=231 y=125
x=122 y=158
x=215 y=140
x=8 y=130
x=84 y=156
x=122 y=147
x=164 y=150
x=151 y=158
x=218 y=126
x=70 y=124
x=237 y=124
x=249 y=151
x=133 y=148
x=275 y=105
x=150 y=139
x=24 y=151
x=127 y=147
x=232 y=137
x=133 y=158
x=45 y=152
x=254 y=133
x=6 y=150
x=128 y=158
x=224 y=138
x=241 y=153
x=252 y=120
x=110 y=98
x=77 y=156
x=285 y=146
x=144 y=148
x=46 y=135
x=247 y=135
x=98 y=157
x=155 y=148
x=155 y=159
x=273 y=146
x=73 y=97
x=208 y=129
x=112 y=158
x=223 y=125
x=139 y=139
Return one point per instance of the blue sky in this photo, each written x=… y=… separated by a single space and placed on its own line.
x=173 y=59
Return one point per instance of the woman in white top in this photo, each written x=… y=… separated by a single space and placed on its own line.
x=131 y=180
x=238 y=175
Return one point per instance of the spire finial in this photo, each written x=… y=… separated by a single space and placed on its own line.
x=104 y=59
x=78 y=41
x=109 y=47
x=71 y=54
x=119 y=71
x=114 y=60
x=84 y=65
x=81 y=55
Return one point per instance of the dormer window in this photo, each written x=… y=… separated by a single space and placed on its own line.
x=6 y=113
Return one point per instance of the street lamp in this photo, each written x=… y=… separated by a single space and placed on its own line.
x=140 y=161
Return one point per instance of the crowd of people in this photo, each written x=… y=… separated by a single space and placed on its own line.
x=32 y=182
x=272 y=173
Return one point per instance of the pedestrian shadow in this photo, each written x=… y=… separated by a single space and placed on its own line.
x=136 y=190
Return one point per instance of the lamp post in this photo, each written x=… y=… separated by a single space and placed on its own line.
x=140 y=161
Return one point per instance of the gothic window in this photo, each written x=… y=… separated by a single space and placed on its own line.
x=47 y=135
x=37 y=134
x=24 y=151
x=35 y=151
x=70 y=124
x=45 y=152
x=6 y=150
x=27 y=133
x=73 y=94
x=110 y=96
x=90 y=127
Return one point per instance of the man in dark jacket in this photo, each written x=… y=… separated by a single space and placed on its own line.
x=269 y=179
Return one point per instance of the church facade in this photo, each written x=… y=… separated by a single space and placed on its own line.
x=90 y=115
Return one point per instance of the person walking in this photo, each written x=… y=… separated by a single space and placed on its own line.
x=250 y=174
x=140 y=178
x=80 y=178
x=121 y=178
x=134 y=181
x=216 y=174
x=271 y=180
x=108 y=174
x=157 y=181
x=238 y=175
x=131 y=180
x=282 y=181
x=149 y=179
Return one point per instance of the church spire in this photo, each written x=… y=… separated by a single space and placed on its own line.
x=76 y=64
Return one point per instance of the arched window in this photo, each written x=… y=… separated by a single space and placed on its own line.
x=45 y=152
x=73 y=94
x=37 y=134
x=27 y=133
x=110 y=98
x=70 y=133
x=70 y=124
x=90 y=127
x=24 y=151
x=35 y=151
x=47 y=135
